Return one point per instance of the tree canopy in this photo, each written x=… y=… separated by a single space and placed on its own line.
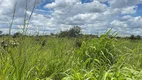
x=0 y=32
x=73 y=32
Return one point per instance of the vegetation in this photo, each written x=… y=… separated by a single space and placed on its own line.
x=0 y=32
x=69 y=55
x=73 y=32
x=133 y=37
x=52 y=58
x=17 y=34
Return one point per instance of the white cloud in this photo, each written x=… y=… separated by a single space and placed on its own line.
x=7 y=11
x=73 y=12
x=128 y=25
x=101 y=0
x=129 y=10
x=119 y=24
x=75 y=7
x=62 y=3
x=93 y=17
x=95 y=14
x=123 y=3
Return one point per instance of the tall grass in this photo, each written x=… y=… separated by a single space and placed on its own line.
x=101 y=58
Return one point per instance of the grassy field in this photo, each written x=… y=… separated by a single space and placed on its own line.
x=52 y=58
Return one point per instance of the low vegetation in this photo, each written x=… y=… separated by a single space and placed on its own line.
x=64 y=58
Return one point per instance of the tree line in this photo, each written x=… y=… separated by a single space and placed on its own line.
x=75 y=32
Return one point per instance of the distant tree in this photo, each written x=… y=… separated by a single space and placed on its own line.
x=138 y=37
x=63 y=34
x=51 y=34
x=0 y=32
x=6 y=34
x=118 y=37
x=17 y=34
x=132 y=37
x=73 y=32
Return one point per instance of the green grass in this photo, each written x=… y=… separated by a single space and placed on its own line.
x=97 y=59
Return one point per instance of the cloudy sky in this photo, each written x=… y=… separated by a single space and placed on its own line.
x=93 y=16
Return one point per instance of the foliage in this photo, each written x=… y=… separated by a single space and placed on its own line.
x=0 y=32
x=133 y=37
x=63 y=34
x=52 y=58
x=138 y=37
x=52 y=34
x=73 y=32
x=17 y=34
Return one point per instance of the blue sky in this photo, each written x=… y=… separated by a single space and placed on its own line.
x=41 y=6
x=93 y=16
x=139 y=10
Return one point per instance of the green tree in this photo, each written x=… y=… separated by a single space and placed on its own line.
x=0 y=32
x=132 y=37
x=63 y=34
x=138 y=37
x=73 y=32
x=51 y=34
x=17 y=34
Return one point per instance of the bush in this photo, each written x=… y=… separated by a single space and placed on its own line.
x=138 y=37
x=18 y=34
x=73 y=32
x=63 y=34
x=133 y=37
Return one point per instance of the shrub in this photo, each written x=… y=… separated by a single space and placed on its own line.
x=18 y=34
x=138 y=37
x=73 y=32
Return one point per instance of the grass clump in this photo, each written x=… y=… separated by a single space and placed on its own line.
x=51 y=58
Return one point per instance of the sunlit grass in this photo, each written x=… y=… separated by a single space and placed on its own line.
x=59 y=59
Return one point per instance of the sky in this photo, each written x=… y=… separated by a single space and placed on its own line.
x=93 y=16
